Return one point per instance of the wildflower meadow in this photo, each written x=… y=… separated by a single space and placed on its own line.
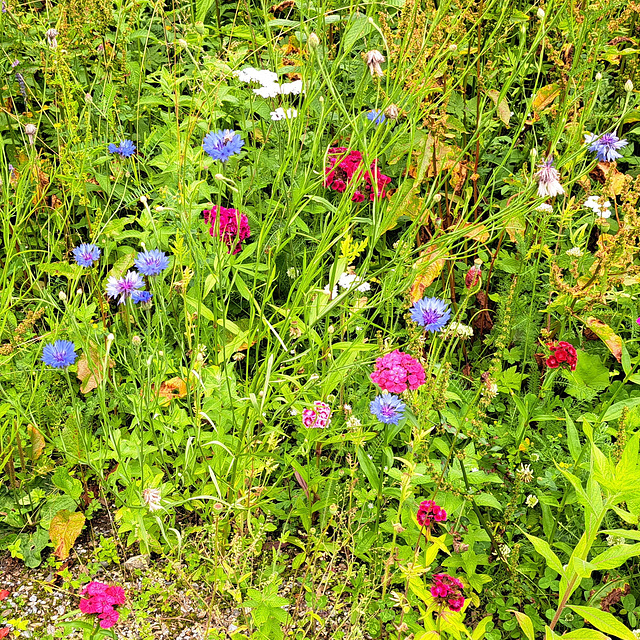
x=320 y=320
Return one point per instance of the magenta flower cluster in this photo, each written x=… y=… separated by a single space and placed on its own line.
x=396 y=372
x=317 y=418
x=429 y=512
x=343 y=170
x=101 y=599
x=229 y=225
x=447 y=591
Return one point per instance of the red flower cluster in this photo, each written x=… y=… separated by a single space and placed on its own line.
x=396 y=372
x=429 y=512
x=232 y=228
x=342 y=172
x=102 y=600
x=447 y=591
x=562 y=352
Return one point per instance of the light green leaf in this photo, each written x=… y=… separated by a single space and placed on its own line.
x=605 y=622
x=615 y=556
x=525 y=624
x=543 y=548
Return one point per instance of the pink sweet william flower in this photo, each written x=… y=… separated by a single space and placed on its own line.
x=317 y=418
x=101 y=600
x=347 y=167
x=396 y=372
x=429 y=512
x=447 y=591
x=229 y=225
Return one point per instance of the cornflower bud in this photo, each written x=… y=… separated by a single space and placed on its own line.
x=598 y=76
x=313 y=41
x=628 y=86
x=51 y=36
x=392 y=112
x=540 y=13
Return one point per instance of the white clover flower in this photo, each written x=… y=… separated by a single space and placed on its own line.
x=574 y=252
x=281 y=114
x=614 y=541
x=505 y=550
x=353 y=423
x=525 y=473
x=545 y=207
x=531 y=500
x=636 y=633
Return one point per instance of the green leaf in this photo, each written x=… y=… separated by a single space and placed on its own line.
x=359 y=28
x=589 y=378
x=615 y=556
x=605 y=622
x=546 y=552
x=481 y=629
x=71 y=486
x=525 y=624
x=368 y=468
x=573 y=439
x=488 y=500
x=585 y=634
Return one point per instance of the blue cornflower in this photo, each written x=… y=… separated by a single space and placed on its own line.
x=431 y=313
x=221 y=145
x=376 y=116
x=125 y=149
x=141 y=296
x=86 y=254
x=387 y=408
x=60 y=354
x=151 y=263
x=125 y=286
x=606 y=147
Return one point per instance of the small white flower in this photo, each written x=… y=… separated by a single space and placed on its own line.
x=628 y=86
x=291 y=88
x=349 y=280
x=281 y=114
x=531 y=500
x=459 y=330
x=545 y=207
x=540 y=13
x=332 y=293
x=270 y=90
x=598 y=76
x=293 y=273
x=574 y=252
x=261 y=76
x=614 y=541
x=602 y=210
x=525 y=473
x=636 y=633
x=353 y=423
x=505 y=550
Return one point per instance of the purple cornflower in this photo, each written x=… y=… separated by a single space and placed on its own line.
x=15 y=63
x=431 y=313
x=376 y=116
x=23 y=86
x=12 y=171
x=125 y=149
x=606 y=147
x=141 y=296
x=548 y=183
x=221 y=145
x=151 y=263
x=388 y=408
x=86 y=254
x=125 y=286
x=60 y=354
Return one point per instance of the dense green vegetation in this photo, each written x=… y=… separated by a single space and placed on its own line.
x=327 y=310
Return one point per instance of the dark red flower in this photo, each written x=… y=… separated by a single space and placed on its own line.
x=562 y=352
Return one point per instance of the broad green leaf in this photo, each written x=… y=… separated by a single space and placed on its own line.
x=585 y=634
x=368 y=468
x=607 y=335
x=64 y=530
x=71 y=486
x=481 y=629
x=543 y=548
x=525 y=624
x=605 y=622
x=615 y=556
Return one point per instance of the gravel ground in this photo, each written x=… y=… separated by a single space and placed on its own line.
x=160 y=608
